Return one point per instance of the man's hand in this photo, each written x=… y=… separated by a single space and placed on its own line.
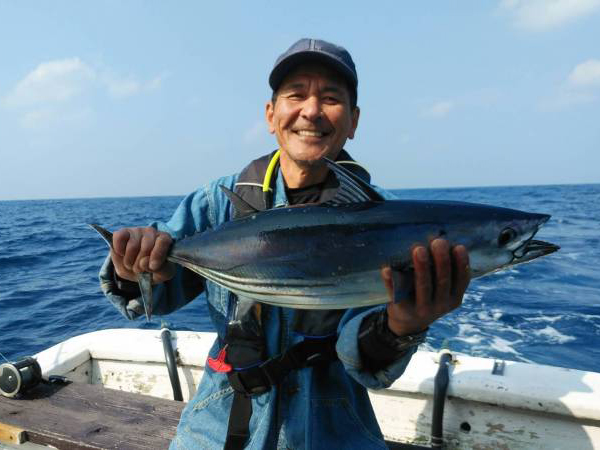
x=437 y=291
x=142 y=249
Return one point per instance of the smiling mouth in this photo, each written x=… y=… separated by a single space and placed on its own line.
x=311 y=133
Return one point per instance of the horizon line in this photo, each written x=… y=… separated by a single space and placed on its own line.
x=389 y=189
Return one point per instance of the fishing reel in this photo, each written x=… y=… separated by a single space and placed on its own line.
x=18 y=377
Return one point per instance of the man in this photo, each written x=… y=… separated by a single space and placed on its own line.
x=257 y=392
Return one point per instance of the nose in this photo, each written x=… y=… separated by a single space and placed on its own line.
x=311 y=109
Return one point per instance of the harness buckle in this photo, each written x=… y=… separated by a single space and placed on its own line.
x=241 y=381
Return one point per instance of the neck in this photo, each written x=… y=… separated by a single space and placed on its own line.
x=298 y=174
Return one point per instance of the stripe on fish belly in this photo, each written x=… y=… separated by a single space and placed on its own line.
x=340 y=292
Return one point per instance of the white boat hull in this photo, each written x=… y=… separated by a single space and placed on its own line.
x=528 y=406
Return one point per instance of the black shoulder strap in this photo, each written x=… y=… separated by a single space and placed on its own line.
x=238 y=430
x=250 y=182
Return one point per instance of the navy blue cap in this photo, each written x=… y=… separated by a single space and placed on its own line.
x=309 y=50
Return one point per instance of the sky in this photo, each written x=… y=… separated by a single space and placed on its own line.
x=134 y=98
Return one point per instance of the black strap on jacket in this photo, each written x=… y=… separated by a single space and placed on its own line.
x=259 y=379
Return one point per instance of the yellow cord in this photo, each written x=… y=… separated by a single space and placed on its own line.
x=269 y=174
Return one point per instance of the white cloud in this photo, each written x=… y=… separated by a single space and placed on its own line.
x=585 y=74
x=581 y=86
x=52 y=92
x=51 y=82
x=438 y=110
x=119 y=87
x=541 y=15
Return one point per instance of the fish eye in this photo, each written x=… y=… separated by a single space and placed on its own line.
x=505 y=236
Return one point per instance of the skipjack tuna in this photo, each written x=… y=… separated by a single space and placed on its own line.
x=330 y=255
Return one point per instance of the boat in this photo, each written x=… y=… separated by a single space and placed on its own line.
x=488 y=404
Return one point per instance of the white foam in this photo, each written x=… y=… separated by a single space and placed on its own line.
x=470 y=339
x=486 y=287
x=553 y=335
x=590 y=316
x=542 y=318
x=473 y=296
x=464 y=328
x=491 y=315
x=502 y=345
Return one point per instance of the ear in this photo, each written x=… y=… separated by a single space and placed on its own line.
x=269 y=113
x=355 y=116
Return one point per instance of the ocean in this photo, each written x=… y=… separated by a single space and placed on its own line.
x=546 y=312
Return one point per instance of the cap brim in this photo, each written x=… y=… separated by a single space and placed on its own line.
x=285 y=66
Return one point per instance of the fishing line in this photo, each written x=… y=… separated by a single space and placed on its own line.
x=4 y=358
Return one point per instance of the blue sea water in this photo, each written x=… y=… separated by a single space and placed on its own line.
x=545 y=312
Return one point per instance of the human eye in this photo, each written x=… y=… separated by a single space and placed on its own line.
x=331 y=99
x=293 y=91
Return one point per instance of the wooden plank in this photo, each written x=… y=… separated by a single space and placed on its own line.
x=11 y=435
x=83 y=416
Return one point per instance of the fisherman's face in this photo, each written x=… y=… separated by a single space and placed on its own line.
x=312 y=116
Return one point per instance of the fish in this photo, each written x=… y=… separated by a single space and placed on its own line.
x=330 y=255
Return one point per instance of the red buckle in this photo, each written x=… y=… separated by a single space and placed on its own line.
x=219 y=364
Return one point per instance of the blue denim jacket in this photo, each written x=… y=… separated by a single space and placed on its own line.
x=313 y=408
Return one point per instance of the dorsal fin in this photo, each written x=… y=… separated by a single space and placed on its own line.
x=242 y=207
x=352 y=189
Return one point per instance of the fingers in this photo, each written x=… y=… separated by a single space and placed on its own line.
x=141 y=249
x=132 y=249
x=446 y=287
x=461 y=274
x=441 y=276
x=423 y=282
x=159 y=253
x=142 y=260
x=120 y=268
x=386 y=276
x=440 y=250
x=120 y=239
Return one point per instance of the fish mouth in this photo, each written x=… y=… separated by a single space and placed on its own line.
x=532 y=249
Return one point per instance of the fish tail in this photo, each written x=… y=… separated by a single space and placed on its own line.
x=104 y=234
